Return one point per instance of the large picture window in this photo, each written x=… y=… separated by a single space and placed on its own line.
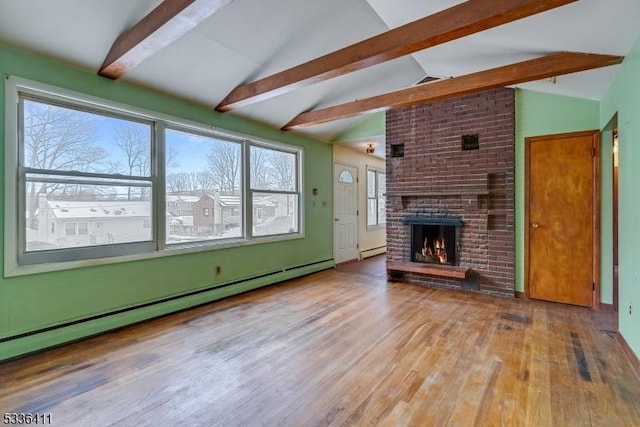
x=96 y=180
x=376 y=201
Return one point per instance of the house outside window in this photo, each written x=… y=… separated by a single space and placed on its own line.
x=376 y=199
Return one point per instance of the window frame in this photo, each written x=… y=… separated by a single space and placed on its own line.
x=250 y=191
x=14 y=265
x=227 y=137
x=89 y=178
x=377 y=172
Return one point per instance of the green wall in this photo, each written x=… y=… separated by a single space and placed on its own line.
x=623 y=97
x=372 y=125
x=545 y=114
x=33 y=302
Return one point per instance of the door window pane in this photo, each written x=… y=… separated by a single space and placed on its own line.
x=345 y=177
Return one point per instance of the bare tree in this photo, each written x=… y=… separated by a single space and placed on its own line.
x=281 y=169
x=259 y=158
x=135 y=144
x=223 y=164
x=205 y=182
x=190 y=182
x=178 y=182
x=57 y=138
x=182 y=182
x=170 y=156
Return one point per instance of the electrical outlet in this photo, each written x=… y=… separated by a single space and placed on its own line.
x=218 y=269
x=630 y=309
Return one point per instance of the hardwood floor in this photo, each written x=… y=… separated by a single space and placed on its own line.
x=339 y=348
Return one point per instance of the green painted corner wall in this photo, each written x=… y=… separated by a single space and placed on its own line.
x=372 y=125
x=623 y=98
x=33 y=302
x=545 y=114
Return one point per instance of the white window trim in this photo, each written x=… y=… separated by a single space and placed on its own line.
x=377 y=171
x=12 y=268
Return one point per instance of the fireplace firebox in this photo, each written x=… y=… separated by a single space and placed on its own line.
x=434 y=240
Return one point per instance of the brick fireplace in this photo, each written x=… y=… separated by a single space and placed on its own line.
x=434 y=239
x=450 y=193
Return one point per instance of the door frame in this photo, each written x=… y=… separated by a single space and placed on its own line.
x=615 y=181
x=595 y=221
x=357 y=206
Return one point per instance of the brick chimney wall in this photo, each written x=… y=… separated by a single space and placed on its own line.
x=437 y=177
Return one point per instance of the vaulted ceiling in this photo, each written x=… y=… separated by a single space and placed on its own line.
x=229 y=43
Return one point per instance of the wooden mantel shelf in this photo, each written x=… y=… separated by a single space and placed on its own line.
x=430 y=269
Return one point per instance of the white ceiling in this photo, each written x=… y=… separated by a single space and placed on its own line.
x=249 y=39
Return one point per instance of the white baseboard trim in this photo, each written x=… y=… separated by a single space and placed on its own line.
x=373 y=252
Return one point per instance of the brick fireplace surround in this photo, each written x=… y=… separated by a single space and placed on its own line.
x=437 y=178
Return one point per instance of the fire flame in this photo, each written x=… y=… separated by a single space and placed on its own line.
x=438 y=250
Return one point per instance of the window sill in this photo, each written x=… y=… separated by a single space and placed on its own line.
x=13 y=269
x=376 y=227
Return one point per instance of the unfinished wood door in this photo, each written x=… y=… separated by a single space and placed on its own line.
x=562 y=218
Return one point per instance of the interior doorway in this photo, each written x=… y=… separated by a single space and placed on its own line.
x=562 y=234
x=345 y=226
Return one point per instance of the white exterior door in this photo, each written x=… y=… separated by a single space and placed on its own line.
x=345 y=226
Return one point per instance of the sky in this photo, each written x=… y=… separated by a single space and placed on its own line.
x=187 y=152
x=190 y=151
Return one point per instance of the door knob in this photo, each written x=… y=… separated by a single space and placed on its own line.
x=336 y=219
x=535 y=225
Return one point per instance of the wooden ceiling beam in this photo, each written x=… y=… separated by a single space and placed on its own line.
x=163 y=25
x=535 y=69
x=461 y=20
